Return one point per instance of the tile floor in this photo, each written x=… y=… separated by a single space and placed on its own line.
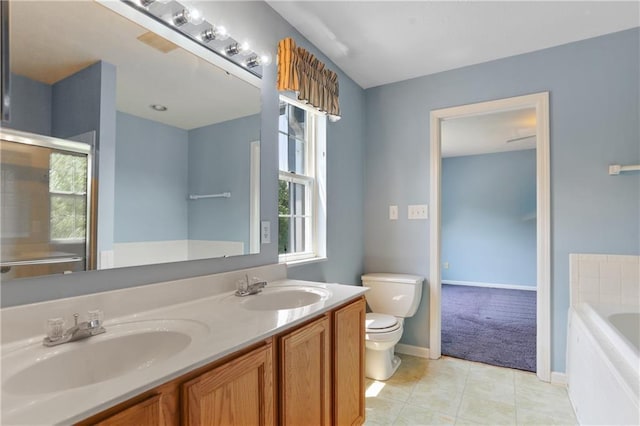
x=449 y=391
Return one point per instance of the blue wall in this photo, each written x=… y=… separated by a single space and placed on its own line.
x=345 y=155
x=151 y=181
x=85 y=102
x=220 y=161
x=30 y=106
x=488 y=218
x=594 y=111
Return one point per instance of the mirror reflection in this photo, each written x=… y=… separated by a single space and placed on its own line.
x=165 y=163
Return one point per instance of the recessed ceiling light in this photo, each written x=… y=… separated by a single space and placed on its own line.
x=158 y=107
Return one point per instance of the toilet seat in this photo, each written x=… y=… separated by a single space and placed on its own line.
x=381 y=323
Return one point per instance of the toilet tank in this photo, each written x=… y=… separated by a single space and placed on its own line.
x=393 y=294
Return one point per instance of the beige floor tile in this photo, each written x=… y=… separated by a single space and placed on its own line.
x=485 y=411
x=489 y=372
x=417 y=416
x=395 y=388
x=529 y=382
x=381 y=410
x=450 y=364
x=411 y=368
x=445 y=379
x=436 y=398
x=465 y=422
x=552 y=403
x=535 y=418
x=436 y=391
x=501 y=390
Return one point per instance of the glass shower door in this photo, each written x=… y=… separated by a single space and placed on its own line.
x=44 y=215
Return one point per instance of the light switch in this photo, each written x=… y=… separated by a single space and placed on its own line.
x=393 y=212
x=265 y=232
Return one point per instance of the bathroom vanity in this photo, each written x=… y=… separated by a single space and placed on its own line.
x=190 y=352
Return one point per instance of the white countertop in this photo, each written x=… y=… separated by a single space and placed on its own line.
x=223 y=326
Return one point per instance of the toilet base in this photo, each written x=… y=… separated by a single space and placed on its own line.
x=380 y=365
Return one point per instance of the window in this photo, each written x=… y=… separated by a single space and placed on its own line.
x=68 y=196
x=301 y=193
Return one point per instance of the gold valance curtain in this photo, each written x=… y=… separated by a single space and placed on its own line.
x=303 y=73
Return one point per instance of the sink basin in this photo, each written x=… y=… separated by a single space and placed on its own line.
x=278 y=298
x=124 y=348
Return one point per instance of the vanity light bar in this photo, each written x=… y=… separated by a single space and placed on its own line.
x=191 y=23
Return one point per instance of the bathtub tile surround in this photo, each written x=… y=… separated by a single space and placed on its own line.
x=601 y=353
x=605 y=278
x=450 y=391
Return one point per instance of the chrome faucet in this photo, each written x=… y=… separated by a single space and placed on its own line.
x=245 y=288
x=56 y=335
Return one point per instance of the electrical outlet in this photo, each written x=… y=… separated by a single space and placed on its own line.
x=418 y=211
x=393 y=212
x=265 y=232
x=446 y=265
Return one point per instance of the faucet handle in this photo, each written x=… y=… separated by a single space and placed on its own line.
x=95 y=317
x=55 y=328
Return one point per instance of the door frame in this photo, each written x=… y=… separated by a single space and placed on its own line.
x=539 y=101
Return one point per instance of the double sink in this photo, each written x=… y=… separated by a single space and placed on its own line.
x=129 y=346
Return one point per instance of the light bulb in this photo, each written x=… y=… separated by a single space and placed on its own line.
x=182 y=17
x=147 y=3
x=188 y=15
x=244 y=49
x=265 y=59
x=214 y=33
x=221 y=33
x=235 y=48
x=195 y=16
x=255 y=61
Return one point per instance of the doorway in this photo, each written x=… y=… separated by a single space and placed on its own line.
x=540 y=104
x=488 y=232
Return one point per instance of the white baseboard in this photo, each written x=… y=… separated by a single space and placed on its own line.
x=559 y=378
x=412 y=350
x=490 y=285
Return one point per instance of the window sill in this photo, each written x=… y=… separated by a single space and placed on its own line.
x=301 y=262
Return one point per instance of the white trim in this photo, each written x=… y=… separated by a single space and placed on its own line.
x=539 y=101
x=254 y=200
x=558 y=378
x=491 y=285
x=412 y=350
x=315 y=185
x=306 y=261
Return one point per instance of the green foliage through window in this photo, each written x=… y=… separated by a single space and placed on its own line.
x=68 y=196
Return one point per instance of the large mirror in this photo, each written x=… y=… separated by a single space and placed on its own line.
x=165 y=163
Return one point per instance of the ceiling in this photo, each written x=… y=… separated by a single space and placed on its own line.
x=489 y=133
x=380 y=42
x=195 y=92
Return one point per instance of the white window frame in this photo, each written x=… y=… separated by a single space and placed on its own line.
x=315 y=181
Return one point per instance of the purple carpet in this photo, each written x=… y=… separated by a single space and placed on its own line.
x=490 y=325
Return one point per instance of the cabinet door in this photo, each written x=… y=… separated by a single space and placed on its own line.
x=305 y=375
x=348 y=364
x=145 y=413
x=239 y=392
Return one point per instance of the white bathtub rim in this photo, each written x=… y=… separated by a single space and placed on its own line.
x=616 y=360
x=599 y=315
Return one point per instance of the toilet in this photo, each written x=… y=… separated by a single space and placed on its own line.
x=392 y=298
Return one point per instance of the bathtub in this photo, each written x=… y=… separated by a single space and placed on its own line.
x=603 y=364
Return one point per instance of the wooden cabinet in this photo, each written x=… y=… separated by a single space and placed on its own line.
x=238 y=392
x=305 y=375
x=145 y=413
x=316 y=371
x=348 y=364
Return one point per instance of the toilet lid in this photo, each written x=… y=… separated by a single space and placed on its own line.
x=380 y=322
